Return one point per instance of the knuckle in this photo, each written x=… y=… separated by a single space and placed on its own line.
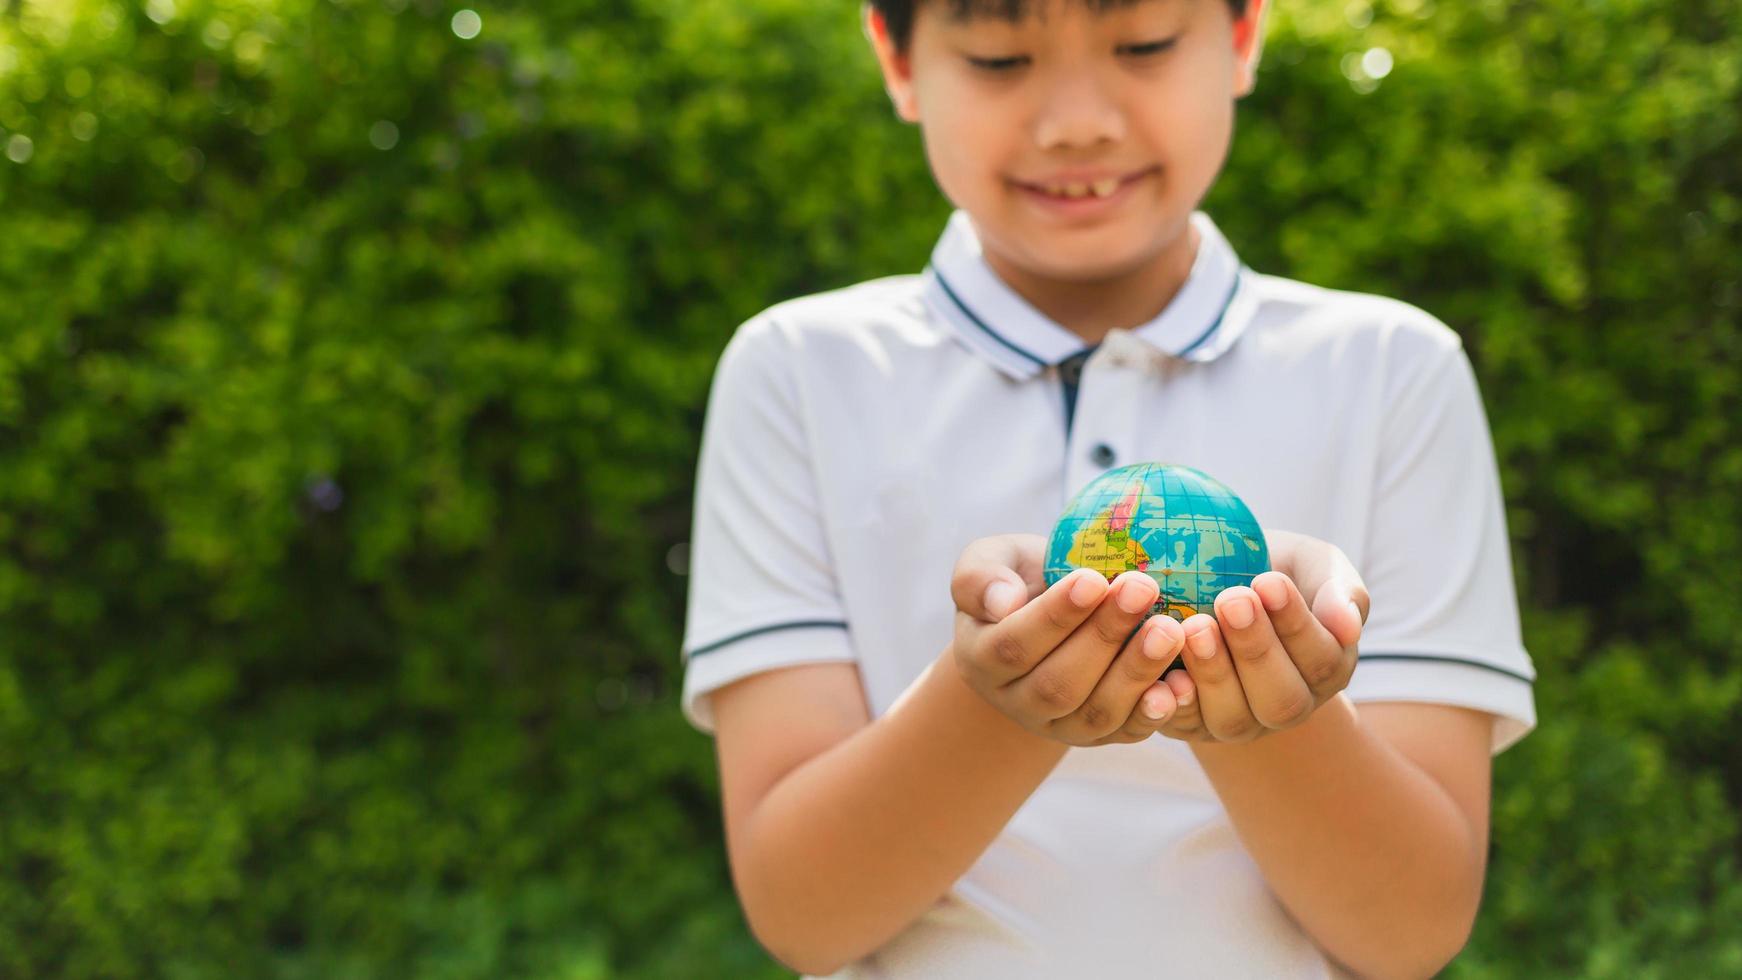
x=1236 y=729
x=1250 y=653
x=1006 y=652
x=1320 y=672
x=1060 y=616
x=1216 y=670
x=1052 y=693
x=1137 y=668
x=1112 y=629
x=1292 y=624
x=1290 y=711
x=1095 y=717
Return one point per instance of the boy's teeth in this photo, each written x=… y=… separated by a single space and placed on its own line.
x=1100 y=188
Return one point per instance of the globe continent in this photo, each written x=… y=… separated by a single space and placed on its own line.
x=1178 y=525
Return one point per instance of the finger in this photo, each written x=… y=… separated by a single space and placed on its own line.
x=994 y=575
x=1184 y=690
x=1323 y=663
x=1059 y=684
x=1154 y=709
x=1137 y=667
x=1342 y=607
x=1275 y=692
x=1322 y=570
x=1012 y=648
x=1185 y=722
x=1158 y=703
x=1221 y=699
x=1180 y=687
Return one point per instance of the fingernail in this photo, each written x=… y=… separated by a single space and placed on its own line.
x=1238 y=612
x=1355 y=611
x=1152 y=712
x=1185 y=700
x=1088 y=589
x=1202 y=643
x=1134 y=597
x=999 y=597
x=1154 y=645
x=1278 y=598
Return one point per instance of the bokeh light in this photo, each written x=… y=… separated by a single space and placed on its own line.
x=467 y=24
x=384 y=135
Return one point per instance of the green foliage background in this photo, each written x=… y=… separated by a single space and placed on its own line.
x=350 y=379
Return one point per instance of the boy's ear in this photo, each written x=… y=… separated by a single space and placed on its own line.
x=1248 y=46
x=897 y=69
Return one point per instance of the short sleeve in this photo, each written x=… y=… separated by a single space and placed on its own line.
x=762 y=588
x=1444 y=624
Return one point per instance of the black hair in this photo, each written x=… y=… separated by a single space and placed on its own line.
x=898 y=14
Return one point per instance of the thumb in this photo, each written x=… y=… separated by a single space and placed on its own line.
x=1342 y=607
x=988 y=583
x=1002 y=597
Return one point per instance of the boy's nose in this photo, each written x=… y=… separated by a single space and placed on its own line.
x=1079 y=111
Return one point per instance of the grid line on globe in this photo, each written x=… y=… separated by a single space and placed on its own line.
x=1180 y=526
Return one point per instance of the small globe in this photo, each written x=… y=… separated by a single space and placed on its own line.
x=1178 y=525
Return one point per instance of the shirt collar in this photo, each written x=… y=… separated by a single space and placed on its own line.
x=1200 y=323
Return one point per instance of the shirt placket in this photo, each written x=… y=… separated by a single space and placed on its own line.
x=1103 y=426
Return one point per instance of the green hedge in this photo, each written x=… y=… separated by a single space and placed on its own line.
x=351 y=371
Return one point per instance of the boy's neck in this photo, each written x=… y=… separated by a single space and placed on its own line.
x=1091 y=308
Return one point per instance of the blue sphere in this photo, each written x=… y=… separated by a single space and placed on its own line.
x=1176 y=524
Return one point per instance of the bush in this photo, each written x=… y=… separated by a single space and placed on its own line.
x=350 y=379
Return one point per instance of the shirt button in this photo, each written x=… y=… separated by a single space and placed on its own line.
x=1102 y=455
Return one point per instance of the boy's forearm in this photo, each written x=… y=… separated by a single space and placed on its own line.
x=1368 y=853
x=852 y=846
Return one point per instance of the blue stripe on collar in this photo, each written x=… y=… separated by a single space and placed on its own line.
x=988 y=316
x=976 y=321
x=1221 y=314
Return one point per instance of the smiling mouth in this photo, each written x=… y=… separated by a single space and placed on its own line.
x=1079 y=191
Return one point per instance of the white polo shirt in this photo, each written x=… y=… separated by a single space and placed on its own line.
x=857 y=439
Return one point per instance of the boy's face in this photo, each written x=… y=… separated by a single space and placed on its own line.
x=1142 y=94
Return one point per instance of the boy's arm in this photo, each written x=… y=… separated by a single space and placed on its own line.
x=1370 y=825
x=842 y=830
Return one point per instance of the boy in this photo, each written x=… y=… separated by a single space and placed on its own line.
x=932 y=765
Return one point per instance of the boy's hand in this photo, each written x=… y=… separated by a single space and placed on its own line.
x=1252 y=675
x=1057 y=660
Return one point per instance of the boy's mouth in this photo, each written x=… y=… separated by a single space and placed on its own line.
x=1083 y=200
x=1071 y=190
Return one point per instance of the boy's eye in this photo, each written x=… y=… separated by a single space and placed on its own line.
x=1016 y=61
x=1153 y=47
x=997 y=64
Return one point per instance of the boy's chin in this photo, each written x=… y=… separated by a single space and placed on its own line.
x=1074 y=265
x=1086 y=253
